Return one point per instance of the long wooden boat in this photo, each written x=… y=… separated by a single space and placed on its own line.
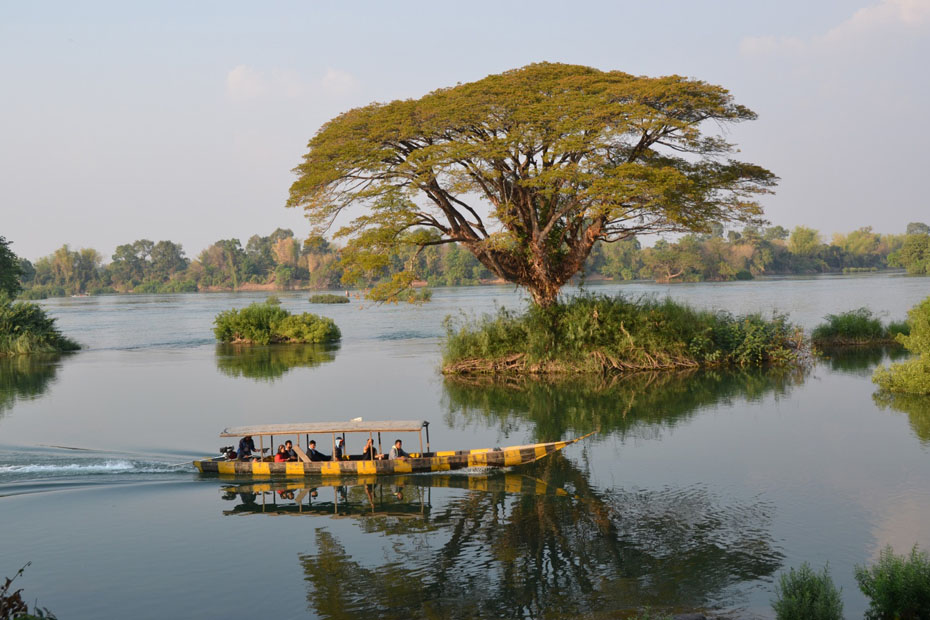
x=417 y=462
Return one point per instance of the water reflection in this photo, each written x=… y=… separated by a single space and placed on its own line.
x=270 y=362
x=861 y=361
x=916 y=407
x=25 y=377
x=644 y=402
x=505 y=554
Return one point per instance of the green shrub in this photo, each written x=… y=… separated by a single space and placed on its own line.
x=266 y=324
x=273 y=300
x=600 y=334
x=26 y=328
x=328 y=298
x=803 y=594
x=912 y=376
x=853 y=327
x=898 y=587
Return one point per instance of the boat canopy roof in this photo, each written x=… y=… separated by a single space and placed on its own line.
x=312 y=428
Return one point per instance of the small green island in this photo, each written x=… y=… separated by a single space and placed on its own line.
x=328 y=298
x=857 y=328
x=268 y=323
x=24 y=327
x=604 y=335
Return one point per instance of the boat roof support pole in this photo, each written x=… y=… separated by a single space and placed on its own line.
x=333 y=457
x=427 y=436
x=420 y=434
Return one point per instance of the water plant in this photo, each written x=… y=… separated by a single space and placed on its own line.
x=898 y=587
x=855 y=328
x=263 y=323
x=12 y=604
x=26 y=328
x=328 y=298
x=591 y=333
x=912 y=376
x=802 y=594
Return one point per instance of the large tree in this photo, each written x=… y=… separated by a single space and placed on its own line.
x=562 y=156
x=10 y=270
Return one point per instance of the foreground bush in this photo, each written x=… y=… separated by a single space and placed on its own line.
x=898 y=587
x=26 y=328
x=269 y=323
x=856 y=328
x=803 y=594
x=328 y=298
x=593 y=333
x=912 y=376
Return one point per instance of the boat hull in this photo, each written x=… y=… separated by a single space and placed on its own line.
x=439 y=461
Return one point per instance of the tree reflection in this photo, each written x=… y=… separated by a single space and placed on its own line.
x=861 y=361
x=915 y=406
x=270 y=362
x=553 y=555
x=640 y=401
x=25 y=377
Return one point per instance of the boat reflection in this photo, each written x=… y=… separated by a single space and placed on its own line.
x=370 y=495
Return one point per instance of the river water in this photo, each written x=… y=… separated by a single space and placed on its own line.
x=696 y=493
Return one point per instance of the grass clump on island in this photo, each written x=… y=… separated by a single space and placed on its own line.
x=26 y=328
x=264 y=323
x=599 y=334
x=912 y=376
x=856 y=328
x=328 y=298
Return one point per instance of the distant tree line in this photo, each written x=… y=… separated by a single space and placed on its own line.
x=285 y=262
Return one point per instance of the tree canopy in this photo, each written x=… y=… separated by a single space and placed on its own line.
x=10 y=270
x=561 y=156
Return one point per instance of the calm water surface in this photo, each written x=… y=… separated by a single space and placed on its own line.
x=699 y=489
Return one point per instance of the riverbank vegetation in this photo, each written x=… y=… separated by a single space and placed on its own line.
x=597 y=334
x=328 y=298
x=857 y=328
x=911 y=376
x=262 y=323
x=314 y=263
x=897 y=586
x=803 y=594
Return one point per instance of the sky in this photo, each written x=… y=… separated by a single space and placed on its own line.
x=182 y=121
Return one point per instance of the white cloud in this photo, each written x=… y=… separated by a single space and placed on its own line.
x=886 y=17
x=245 y=83
x=338 y=82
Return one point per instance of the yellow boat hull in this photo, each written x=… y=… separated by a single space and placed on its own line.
x=433 y=462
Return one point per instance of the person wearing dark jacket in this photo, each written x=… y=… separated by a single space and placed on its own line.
x=314 y=454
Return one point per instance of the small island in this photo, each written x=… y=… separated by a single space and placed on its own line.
x=265 y=323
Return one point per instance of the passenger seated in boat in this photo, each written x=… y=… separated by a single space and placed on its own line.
x=397 y=452
x=314 y=454
x=246 y=448
x=337 y=454
x=281 y=455
x=289 y=449
x=371 y=452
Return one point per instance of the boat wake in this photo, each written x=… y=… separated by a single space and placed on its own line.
x=119 y=466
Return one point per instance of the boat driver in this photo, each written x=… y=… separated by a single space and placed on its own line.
x=246 y=448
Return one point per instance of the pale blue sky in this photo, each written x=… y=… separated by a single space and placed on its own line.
x=163 y=120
